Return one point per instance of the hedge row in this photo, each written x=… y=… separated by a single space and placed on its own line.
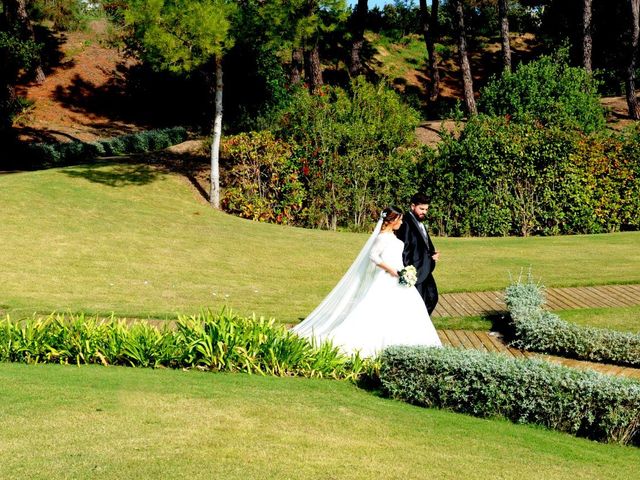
x=505 y=178
x=583 y=403
x=59 y=154
x=218 y=342
x=540 y=330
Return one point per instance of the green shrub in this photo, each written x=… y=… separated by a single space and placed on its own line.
x=66 y=15
x=506 y=178
x=583 y=403
x=539 y=330
x=603 y=181
x=547 y=90
x=17 y=56
x=219 y=342
x=59 y=154
x=260 y=180
x=354 y=152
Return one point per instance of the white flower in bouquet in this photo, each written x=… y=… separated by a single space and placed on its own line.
x=408 y=276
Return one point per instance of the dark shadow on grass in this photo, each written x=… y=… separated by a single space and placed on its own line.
x=117 y=176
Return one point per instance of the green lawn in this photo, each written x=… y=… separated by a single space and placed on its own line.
x=114 y=423
x=477 y=322
x=132 y=240
x=626 y=319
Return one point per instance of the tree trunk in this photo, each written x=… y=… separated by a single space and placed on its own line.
x=359 y=18
x=467 y=79
x=632 y=100
x=8 y=99
x=214 y=196
x=296 y=66
x=503 y=12
x=587 y=44
x=429 y=25
x=16 y=12
x=313 y=68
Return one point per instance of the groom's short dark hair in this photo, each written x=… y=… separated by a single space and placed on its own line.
x=419 y=199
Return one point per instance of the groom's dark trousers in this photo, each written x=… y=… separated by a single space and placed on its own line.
x=418 y=249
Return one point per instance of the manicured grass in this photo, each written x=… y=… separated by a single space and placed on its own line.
x=113 y=423
x=135 y=241
x=477 y=322
x=626 y=319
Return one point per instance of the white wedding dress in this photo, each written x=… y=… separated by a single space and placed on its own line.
x=369 y=310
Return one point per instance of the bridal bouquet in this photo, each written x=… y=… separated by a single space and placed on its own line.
x=408 y=276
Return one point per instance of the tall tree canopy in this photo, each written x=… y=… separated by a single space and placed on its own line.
x=183 y=36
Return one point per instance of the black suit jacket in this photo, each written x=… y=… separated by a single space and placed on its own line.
x=417 y=247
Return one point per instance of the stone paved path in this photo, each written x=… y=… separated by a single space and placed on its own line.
x=486 y=303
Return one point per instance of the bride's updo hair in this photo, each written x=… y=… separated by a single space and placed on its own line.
x=390 y=214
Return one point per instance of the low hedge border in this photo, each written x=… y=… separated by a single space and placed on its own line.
x=540 y=330
x=47 y=155
x=582 y=403
x=223 y=341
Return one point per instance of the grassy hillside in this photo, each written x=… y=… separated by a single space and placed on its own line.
x=136 y=241
x=71 y=423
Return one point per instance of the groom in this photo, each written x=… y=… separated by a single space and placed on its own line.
x=418 y=249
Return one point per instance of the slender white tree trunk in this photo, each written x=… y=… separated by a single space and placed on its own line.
x=214 y=196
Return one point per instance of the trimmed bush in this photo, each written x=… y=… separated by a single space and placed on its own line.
x=501 y=177
x=583 y=403
x=219 y=342
x=261 y=182
x=59 y=154
x=547 y=90
x=354 y=150
x=540 y=330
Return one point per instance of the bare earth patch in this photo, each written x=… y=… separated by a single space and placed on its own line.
x=65 y=105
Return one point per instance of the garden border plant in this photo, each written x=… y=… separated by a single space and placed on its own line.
x=47 y=155
x=223 y=341
x=580 y=402
x=540 y=330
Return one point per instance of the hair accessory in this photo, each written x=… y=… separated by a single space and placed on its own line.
x=384 y=215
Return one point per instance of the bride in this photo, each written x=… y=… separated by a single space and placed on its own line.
x=369 y=309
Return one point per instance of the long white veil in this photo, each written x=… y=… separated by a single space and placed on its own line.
x=343 y=298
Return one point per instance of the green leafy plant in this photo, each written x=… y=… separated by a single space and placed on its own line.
x=583 y=403
x=38 y=155
x=540 y=330
x=354 y=149
x=260 y=180
x=546 y=90
x=500 y=177
x=220 y=341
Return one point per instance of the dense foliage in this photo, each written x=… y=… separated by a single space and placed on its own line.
x=261 y=180
x=583 y=403
x=223 y=342
x=37 y=155
x=16 y=55
x=546 y=90
x=538 y=329
x=354 y=151
x=64 y=15
x=500 y=177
